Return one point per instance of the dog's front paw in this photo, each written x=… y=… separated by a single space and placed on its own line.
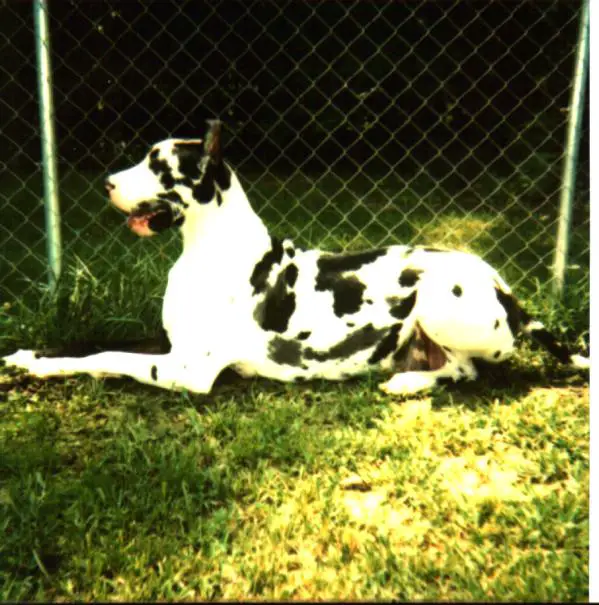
x=28 y=361
x=408 y=383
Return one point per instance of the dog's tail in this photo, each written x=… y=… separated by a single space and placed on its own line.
x=534 y=328
x=521 y=321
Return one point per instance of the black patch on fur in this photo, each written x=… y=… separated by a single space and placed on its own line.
x=358 y=340
x=185 y=181
x=172 y=196
x=515 y=313
x=161 y=168
x=190 y=155
x=387 y=345
x=291 y=274
x=457 y=291
x=167 y=180
x=431 y=249
x=215 y=175
x=347 y=295
x=304 y=335
x=445 y=381
x=339 y=263
x=162 y=220
x=368 y=301
x=496 y=324
x=409 y=277
x=350 y=324
x=219 y=198
x=347 y=291
x=274 y=312
x=264 y=266
x=142 y=208
x=216 y=172
x=154 y=373
x=204 y=191
x=157 y=166
x=404 y=308
x=285 y=352
x=290 y=252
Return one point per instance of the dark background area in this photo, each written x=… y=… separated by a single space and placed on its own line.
x=469 y=84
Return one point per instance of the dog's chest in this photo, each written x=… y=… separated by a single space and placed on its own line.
x=200 y=297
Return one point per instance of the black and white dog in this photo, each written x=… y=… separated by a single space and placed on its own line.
x=239 y=298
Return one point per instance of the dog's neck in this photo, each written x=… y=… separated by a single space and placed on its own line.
x=230 y=228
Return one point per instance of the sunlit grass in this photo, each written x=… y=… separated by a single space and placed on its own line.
x=113 y=490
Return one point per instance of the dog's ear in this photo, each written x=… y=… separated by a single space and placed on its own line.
x=212 y=141
x=190 y=153
x=214 y=150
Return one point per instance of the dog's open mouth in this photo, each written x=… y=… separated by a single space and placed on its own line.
x=140 y=223
x=150 y=218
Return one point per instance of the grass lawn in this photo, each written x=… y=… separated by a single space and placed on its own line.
x=115 y=490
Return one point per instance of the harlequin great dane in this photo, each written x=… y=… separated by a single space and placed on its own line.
x=239 y=298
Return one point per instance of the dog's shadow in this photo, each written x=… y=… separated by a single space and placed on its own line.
x=506 y=383
x=497 y=383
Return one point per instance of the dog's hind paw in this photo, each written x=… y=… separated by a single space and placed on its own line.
x=408 y=383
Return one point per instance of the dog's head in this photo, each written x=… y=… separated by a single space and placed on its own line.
x=175 y=176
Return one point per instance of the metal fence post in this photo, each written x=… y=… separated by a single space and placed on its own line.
x=46 y=114
x=571 y=152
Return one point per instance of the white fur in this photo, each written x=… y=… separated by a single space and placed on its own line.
x=583 y=363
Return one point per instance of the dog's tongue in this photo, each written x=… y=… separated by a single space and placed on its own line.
x=139 y=225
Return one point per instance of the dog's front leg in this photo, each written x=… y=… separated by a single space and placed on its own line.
x=166 y=371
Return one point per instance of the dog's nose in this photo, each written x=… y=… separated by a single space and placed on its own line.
x=108 y=185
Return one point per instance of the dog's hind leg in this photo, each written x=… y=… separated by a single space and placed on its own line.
x=165 y=371
x=423 y=365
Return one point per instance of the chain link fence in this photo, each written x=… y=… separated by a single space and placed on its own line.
x=351 y=124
